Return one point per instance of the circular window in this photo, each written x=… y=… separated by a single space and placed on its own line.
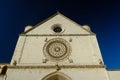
x=57 y=49
x=57 y=29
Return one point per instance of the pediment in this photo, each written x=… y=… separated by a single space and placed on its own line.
x=64 y=26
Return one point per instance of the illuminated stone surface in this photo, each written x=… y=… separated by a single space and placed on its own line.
x=57 y=49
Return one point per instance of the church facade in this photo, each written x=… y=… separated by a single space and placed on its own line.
x=57 y=49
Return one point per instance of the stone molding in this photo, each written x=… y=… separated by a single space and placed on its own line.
x=57 y=34
x=55 y=66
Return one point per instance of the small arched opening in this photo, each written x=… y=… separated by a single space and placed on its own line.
x=4 y=70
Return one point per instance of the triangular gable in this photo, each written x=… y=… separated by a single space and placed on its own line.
x=68 y=26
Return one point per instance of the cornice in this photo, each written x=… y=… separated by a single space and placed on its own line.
x=55 y=66
x=57 y=34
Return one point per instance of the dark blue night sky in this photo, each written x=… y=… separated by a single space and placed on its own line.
x=102 y=16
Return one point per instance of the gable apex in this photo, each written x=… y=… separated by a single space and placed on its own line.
x=58 y=15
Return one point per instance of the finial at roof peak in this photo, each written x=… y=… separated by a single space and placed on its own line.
x=58 y=12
